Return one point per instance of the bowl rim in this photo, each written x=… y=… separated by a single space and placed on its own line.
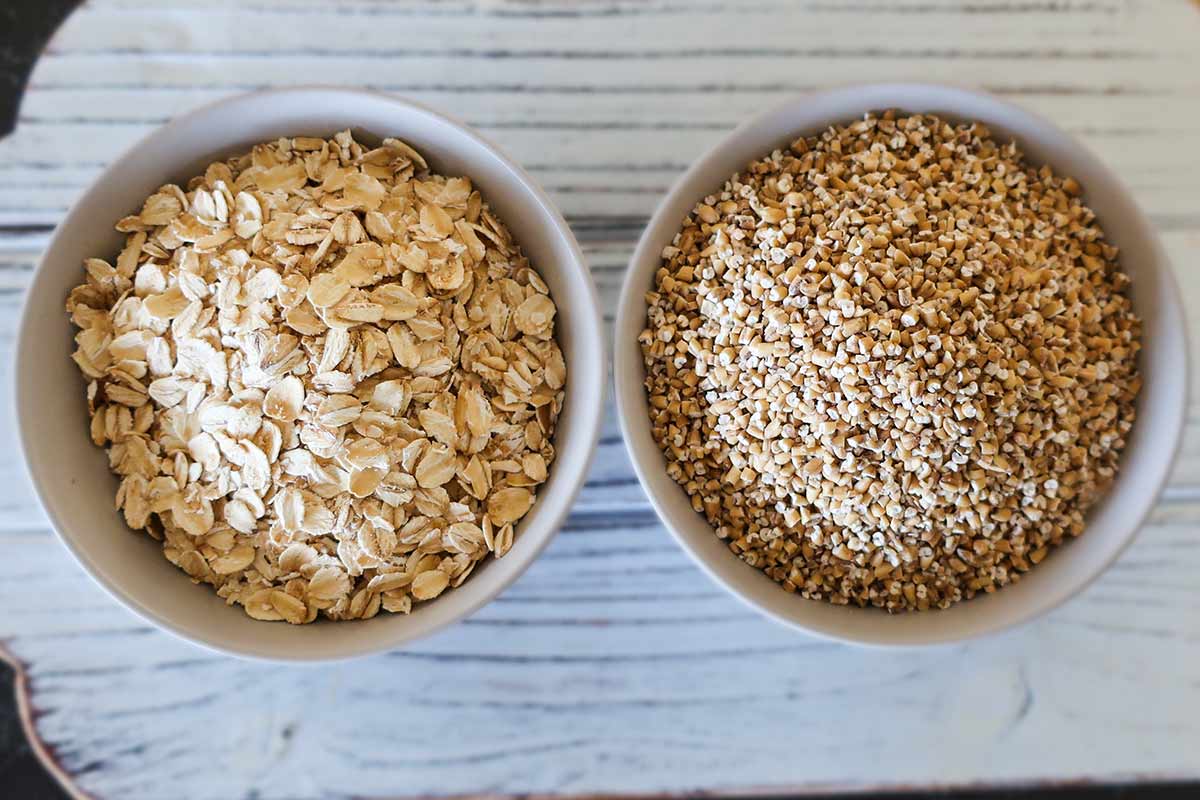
x=554 y=508
x=628 y=370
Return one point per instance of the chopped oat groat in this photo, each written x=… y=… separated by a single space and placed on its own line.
x=327 y=377
x=893 y=365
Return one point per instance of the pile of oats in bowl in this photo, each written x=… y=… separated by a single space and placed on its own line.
x=893 y=365
x=326 y=376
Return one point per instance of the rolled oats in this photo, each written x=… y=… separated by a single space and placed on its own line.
x=311 y=368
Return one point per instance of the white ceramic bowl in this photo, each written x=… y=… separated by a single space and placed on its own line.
x=1151 y=447
x=71 y=475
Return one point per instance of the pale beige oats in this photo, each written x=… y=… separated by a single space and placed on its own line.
x=326 y=376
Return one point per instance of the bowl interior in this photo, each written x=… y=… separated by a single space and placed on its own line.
x=72 y=476
x=1160 y=408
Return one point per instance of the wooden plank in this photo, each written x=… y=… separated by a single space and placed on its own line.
x=613 y=665
x=1147 y=162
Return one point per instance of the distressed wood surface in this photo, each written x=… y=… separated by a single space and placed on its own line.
x=613 y=665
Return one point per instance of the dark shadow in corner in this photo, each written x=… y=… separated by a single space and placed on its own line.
x=25 y=27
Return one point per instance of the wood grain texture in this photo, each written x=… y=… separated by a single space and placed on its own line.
x=613 y=665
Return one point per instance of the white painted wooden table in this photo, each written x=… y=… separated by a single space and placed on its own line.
x=614 y=665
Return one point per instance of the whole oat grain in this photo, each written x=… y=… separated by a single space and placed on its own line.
x=893 y=364
x=326 y=376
